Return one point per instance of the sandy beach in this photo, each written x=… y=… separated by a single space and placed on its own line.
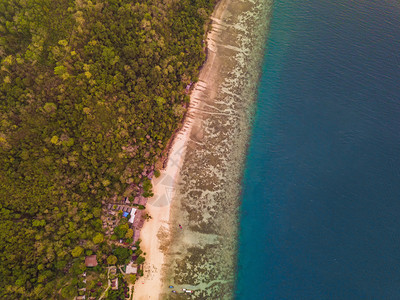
x=198 y=188
x=156 y=233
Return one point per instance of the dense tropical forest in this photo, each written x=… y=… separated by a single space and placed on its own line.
x=90 y=94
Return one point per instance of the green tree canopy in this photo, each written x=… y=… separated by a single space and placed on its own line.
x=77 y=251
x=123 y=254
x=121 y=230
x=112 y=260
x=98 y=238
x=90 y=94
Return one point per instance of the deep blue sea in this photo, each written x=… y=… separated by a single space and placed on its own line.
x=320 y=215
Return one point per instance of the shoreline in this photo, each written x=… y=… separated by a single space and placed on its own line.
x=156 y=233
x=204 y=182
x=202 y=257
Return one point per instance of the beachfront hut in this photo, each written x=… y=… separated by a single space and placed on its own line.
x=142 y=200
x=91 y=261
x=133 y=213
x=139 y=219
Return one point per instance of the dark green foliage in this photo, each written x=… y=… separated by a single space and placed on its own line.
x=115 y=295
x=118 y=294
x=140 y=260
x=123 y=254
x=147 y=187
x=90 y=93
x=121 y=230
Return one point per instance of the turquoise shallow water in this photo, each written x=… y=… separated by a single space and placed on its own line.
x=320 y=215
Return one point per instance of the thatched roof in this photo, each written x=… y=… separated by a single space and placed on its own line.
x=91 y=261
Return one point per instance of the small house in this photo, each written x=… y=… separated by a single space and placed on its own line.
x=142 y=200
x=91 y=261
x=131 y=268
x=114 y=284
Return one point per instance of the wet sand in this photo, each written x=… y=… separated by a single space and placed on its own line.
x=203 y=173
x=155 y=234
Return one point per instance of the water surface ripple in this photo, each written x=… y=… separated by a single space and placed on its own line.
x=321 y=194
